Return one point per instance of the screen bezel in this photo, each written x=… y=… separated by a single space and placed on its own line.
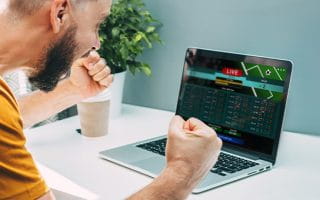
x=256 y=60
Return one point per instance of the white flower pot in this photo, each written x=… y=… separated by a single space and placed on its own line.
x=113 y=93
x=117 y=94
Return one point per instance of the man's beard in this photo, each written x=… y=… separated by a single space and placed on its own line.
x=55 y=62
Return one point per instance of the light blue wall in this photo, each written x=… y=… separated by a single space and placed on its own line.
x=274 y=28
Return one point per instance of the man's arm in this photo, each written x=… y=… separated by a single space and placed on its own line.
x=38 y=106
x=192 y=150
x=89 y=76
x=173 y=184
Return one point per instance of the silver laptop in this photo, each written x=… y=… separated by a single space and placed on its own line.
x=242 y=97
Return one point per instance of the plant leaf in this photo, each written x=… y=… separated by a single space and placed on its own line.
x=137 y=38
x=126 y=33
x=150 y=29
x=146 y=69
x=115 y=32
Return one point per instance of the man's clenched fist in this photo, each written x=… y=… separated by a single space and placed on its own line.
x=90 y=75
x=193 y=147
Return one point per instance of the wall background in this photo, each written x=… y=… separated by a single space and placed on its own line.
x=275 y=28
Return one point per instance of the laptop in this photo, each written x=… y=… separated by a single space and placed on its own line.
x=242 y=97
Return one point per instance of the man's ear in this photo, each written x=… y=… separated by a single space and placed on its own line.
x=59 y=14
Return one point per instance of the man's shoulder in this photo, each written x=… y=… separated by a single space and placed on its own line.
x=18 y=173
x=6 y=95
x=9 y=111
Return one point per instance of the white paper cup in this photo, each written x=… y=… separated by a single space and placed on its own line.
x=94 y=115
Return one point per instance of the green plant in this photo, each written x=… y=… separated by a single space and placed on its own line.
x=126 y=33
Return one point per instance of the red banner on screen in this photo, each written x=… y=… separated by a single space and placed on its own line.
x=232 y=72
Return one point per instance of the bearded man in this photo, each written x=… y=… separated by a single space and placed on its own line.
x=55 y=43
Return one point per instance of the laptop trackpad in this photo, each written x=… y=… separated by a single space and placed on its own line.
x=154 y=165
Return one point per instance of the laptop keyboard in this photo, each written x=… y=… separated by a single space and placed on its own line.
x=158 y=146
x=226 y=164
x=230 y=164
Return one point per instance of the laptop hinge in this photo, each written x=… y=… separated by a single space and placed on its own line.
x=243 y=154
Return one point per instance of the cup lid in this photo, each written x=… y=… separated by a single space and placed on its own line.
x=102 y=96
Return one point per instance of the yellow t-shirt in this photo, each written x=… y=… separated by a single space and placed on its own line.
x=19 y=177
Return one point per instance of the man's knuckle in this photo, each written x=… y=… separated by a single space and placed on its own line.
x=104 y=73
x=91 y=73
x=103 y=61
x=211 y=137
x=105 y=83
x=102 y=82
x=213 y=132
x=95 y=78
x=219 y=142
x=99 y=66
x=108 y=70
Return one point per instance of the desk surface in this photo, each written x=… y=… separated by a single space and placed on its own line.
x=58 y=146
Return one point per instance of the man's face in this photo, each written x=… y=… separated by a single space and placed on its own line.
x=77 y=41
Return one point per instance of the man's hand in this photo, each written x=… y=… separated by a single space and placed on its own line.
x=90 y=75
x=192 y=148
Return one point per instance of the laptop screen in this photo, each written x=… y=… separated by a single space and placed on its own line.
x=241 y=97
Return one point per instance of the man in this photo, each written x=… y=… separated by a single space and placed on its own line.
x=45 y=38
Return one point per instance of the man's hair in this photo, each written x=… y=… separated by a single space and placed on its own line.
x=25 y=7
x=28 y=7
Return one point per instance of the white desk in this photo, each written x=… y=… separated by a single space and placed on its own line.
x=58 y=146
